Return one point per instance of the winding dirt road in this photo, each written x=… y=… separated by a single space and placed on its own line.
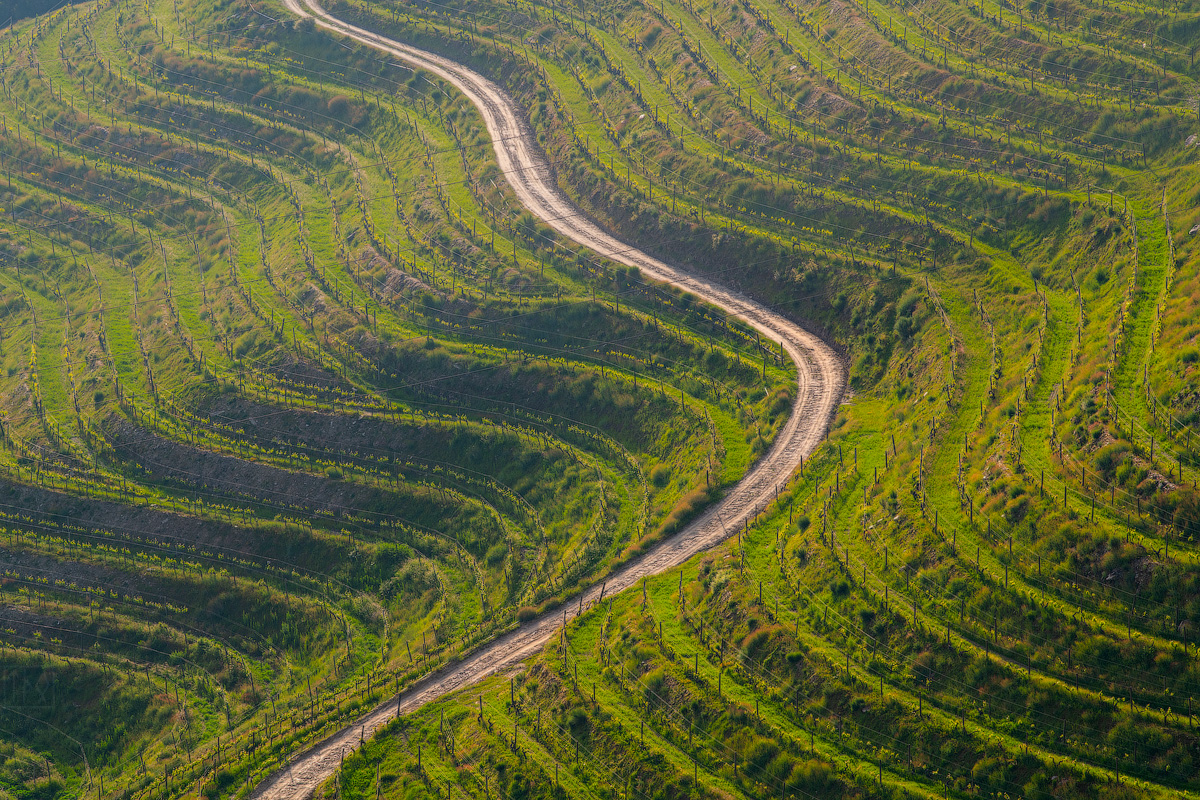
x=820 y=379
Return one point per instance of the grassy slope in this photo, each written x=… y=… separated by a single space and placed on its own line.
x=347 y=436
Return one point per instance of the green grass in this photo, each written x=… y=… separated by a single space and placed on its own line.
x=364 y=410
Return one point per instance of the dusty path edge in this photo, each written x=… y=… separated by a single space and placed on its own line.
x=820 y=381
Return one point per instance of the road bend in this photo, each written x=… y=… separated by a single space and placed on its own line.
x=820 y=379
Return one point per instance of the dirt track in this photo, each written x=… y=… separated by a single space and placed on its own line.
x=820 y=388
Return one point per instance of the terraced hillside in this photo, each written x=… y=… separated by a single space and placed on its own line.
x=306 y=396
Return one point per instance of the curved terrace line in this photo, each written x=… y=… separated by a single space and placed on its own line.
x=820 y=380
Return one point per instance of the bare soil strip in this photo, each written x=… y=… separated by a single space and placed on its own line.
x=820 y=384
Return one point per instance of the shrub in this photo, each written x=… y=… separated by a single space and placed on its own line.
x=651 y=34
x=1108 y=458
x=907 y=304
x=496 y=554
x=660 y=474
x=655 y=682
x=684 y=510
x=414 y=578
x=339 y=106
x=577 y=721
